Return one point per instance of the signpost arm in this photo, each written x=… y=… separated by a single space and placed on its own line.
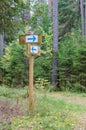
x=31 y=95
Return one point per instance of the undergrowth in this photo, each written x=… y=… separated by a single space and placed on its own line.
x=49 y=113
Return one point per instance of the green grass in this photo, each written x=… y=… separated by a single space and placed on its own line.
x=12 y=92
x=49 y=113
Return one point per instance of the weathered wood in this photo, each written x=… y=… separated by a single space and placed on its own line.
x=31 y=96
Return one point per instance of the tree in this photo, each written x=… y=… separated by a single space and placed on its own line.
x=40 y=16
x=13 y=65
x=55 y=42
x=82 y=16
x=50 y=5
x=69 y=16
x=11 y=19
x=1 y=44
x=85 y=17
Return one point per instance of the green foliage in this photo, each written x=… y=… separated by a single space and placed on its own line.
x=72 y=63
x=11 y=18
x=4 y=91
x=40 y=17
x=79 y=67
x=69 y=16
x=43 y=64
x=42 y=84
x=14 y=67
x=72 y=53
x=12 y=93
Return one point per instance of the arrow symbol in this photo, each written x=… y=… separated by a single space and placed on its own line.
x=32 y=38
x=33 y=49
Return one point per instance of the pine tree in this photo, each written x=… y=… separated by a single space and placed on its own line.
x=55 y=42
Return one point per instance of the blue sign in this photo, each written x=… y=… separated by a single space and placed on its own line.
x=31 y=38
x=34 y=49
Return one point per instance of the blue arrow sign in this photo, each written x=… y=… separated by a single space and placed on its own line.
x=32 y=38
x=34 y=49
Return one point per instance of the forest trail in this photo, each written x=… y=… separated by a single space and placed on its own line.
x=70 y=98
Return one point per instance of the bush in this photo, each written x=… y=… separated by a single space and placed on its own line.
x=72 y=62
x=14 y=66
x=42 y=84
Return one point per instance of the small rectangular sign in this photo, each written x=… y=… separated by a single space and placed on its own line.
x=30 y=38
x=33 y=49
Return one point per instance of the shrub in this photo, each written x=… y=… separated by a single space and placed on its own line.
x=14 y=65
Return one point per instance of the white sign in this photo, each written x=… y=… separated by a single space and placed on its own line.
x=31 y=38
x=34 y=49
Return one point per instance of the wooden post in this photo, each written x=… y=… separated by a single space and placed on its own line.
x=32 y=49
x=31 y=96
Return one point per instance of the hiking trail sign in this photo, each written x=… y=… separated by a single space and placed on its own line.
x=30 y=38
x=32 y=41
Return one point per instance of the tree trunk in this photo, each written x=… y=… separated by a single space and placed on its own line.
x=82 y=17
x=1 y=45
x=50 y=5
x=85 y=20
x=27 y=13
x=55 y=42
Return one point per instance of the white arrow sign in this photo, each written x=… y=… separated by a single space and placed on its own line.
x=34 y=49
x=31 y=38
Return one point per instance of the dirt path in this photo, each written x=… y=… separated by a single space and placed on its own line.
x=9 y=109
x=71 y=98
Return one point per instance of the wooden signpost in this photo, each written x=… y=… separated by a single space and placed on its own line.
x=33 y=49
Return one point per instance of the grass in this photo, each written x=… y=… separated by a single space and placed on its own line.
x=49 y=113
x=12 y=92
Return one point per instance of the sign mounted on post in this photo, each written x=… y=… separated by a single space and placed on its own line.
x=30 y=38
x=33 y=49
x=32 y=41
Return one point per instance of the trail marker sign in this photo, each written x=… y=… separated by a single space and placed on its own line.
x=34 y=49
x=30 y=38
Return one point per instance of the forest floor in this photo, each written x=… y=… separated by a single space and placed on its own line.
x=11 y=108
x=77 y=99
